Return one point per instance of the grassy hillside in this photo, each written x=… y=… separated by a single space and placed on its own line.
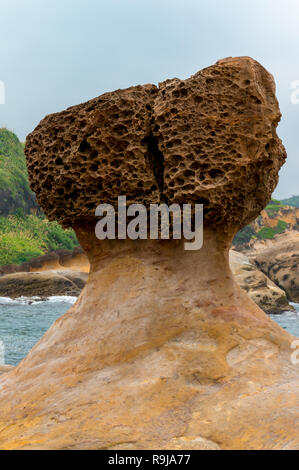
x=14 y=187
x=24 y=232
x=28 y=236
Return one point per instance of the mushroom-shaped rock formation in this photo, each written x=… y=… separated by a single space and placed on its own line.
x=162 y=350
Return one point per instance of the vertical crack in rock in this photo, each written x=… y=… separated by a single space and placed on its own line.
x=155 y=160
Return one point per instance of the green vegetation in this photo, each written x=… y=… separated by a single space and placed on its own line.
x=24 y=231
x=267 y=233
x=244 y=235
x=291 y=201
x=281 y=226
x=274 y=202
x=273 y=207
x=14 y=187
x=23 y=237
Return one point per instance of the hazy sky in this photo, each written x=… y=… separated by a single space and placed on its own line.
x=56 y=53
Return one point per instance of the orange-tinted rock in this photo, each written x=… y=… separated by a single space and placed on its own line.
x=162 y=349
x=5 y=368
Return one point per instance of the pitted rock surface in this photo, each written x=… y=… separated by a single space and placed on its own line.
x=93 y=152
x=209 y=139
x=216 y=131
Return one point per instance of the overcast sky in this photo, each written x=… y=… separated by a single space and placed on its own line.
x=57 y=53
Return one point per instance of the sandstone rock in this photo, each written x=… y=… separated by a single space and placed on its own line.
x=4 y=368
x=106 y=142
x=42 y=284
x=161 y=344
x=60 y=274
x=195 y=140
x=280 y=261
x=216 y=131
x=55 y=260
x=267 y=295
x=162 y=349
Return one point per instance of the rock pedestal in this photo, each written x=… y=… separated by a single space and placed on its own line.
x=162 y=349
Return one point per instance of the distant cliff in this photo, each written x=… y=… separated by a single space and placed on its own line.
x=276 y=218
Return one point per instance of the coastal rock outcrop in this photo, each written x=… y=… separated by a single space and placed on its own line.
x=42 y=284
x=280 y=261
x=264 y=292
x=162 y=350
x=54 y=260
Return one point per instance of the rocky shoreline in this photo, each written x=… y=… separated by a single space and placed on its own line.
x=280 y=261
x=42 y=284
x=63 y=272
x=59 y=259
x=260 y=288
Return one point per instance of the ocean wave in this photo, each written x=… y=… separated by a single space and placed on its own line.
x=68 y=299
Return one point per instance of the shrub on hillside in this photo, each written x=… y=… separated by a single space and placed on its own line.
x=267 y=233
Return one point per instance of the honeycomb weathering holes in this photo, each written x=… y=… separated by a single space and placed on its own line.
x=208 y=139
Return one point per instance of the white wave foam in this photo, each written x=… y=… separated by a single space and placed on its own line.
x=21 y=300
x=68 y=299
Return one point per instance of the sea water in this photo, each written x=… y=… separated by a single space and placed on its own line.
x=289 y=320
x=24 y=321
